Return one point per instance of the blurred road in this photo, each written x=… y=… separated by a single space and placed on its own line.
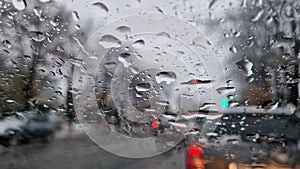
x=74 y=150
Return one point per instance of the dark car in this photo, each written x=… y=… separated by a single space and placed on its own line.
x=26 y=126
x=249 y=138
x=264 y=128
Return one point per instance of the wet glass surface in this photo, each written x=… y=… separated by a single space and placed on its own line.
x=195 y=84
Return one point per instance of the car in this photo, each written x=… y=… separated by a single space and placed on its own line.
x=23 y=127
x=259 y=127
x=247 y=138
x=194 y=156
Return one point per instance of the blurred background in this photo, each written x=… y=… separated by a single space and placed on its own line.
x=257 y=43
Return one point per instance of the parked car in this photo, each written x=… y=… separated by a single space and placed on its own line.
x=246 y=139
x=27 y=126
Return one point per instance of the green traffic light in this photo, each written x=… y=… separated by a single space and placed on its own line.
x=225 y=103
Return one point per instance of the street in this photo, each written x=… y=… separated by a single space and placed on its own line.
x=76 y=151
x=73 y=149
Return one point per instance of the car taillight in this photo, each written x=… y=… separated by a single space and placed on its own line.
x=195 y=157
x=196 y=151
x=155 y=124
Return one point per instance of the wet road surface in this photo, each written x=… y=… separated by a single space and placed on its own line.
x=73 y=149
x=77 y=151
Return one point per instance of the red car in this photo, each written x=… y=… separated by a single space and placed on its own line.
x=194 y=158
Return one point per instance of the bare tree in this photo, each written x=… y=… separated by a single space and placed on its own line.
x=37 y=47
x=267 y=34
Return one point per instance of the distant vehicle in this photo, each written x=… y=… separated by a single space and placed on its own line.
x=257 y=127
x=194 y=156
x=246 y=138
x=26 y=126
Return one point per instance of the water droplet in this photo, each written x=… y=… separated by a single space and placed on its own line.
x=76 y=62
x=138 y=44
x=211 y=4
x=233 y=104
x=58 y=93
x=60 y=49
x=134 y=70
x=162 y=103
x=250 y=79
x=10 y=101
x=123 y=29
x=159 y=10
x=6 y=44
x=125 y=55
x=108 y=41
x=54 y=22
x=178 y=125
x=246 y=66
x=27 y=57
x=237 y=34
x=37 y=36
x=212 y=134
x=269 y=20
x=143 y=87
x=110 y=65
x=258 y=16
x=103 y=8
x=270 y=104
x=207 y=106
x=229 y=82
x=37 y=11
x=93 y=57
x=225 y=90
x=77 y=27
x=123 y=60
x=19 y=4
x=233 y=49
x=75 y=16
x=164 y=34
x=167 y=77
x=199 y=42
x=196 y=81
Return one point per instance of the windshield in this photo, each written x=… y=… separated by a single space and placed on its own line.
x=137 y=83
